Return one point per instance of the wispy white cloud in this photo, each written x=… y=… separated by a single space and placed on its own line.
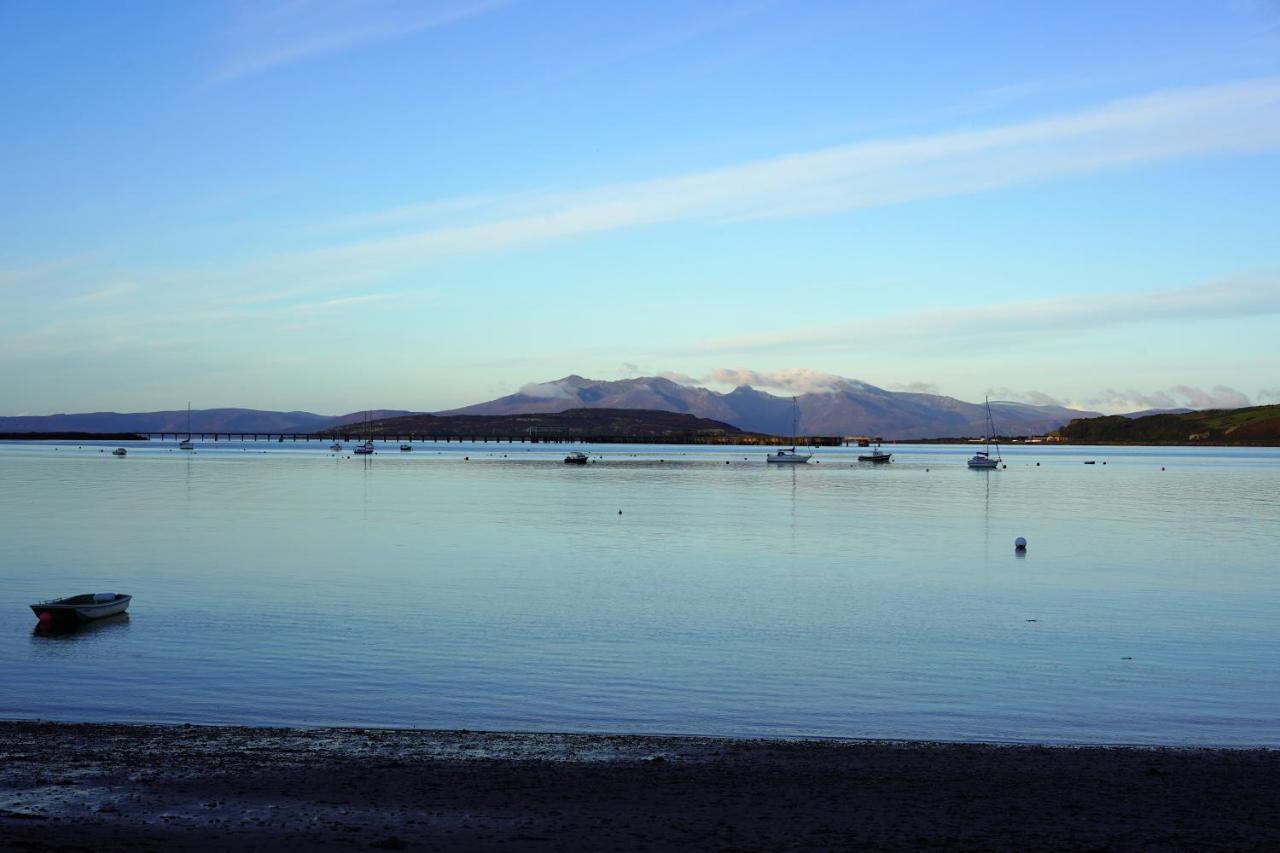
x=916 y=387
x=272 y=34
x=678 y=378
x=32 y=273
x=419 y=215
x=545 y=391
x=110 y=330
x=1176 y=397
x=797 y=380
x=106 y=294
x=1226 y=119
x=340 y=302
x=1035 y=398
x=1246 y=295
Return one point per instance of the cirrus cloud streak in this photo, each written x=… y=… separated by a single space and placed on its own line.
x=1236 y=118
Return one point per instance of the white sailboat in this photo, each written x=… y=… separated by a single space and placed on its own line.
x=982 y=459
x=789 y=455
x=186 y=444
x=365 y=449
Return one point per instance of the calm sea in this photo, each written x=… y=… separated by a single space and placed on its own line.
x=659 y=589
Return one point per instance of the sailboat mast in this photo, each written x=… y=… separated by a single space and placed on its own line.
x=991 y=429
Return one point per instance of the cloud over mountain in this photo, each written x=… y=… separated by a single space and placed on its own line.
x=1175 y=397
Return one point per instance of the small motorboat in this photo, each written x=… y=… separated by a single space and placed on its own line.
x=877 y=456
x=336 y=447
x=405 y=448
x=119 y=451
x=81 y=608
x=576 y=458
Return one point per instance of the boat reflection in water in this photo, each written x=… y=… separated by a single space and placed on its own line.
x=82 y=630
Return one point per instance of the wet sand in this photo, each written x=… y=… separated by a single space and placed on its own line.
x=117 y=787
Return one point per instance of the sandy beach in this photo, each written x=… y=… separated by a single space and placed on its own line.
x=117 y=787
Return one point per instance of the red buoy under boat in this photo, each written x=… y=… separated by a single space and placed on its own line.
x=45 y=618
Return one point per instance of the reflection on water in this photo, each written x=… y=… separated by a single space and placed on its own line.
x=97 y=629
x=475 y=586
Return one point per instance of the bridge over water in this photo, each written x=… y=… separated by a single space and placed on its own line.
x=531 y=437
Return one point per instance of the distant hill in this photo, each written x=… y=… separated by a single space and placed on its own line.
x=851 y=408
x=597 y=423
x=1258 y=425
x=202 y=420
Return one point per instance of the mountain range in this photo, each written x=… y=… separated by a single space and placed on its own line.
x=848 y=407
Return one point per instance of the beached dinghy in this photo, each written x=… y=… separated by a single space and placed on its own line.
x=81 y=608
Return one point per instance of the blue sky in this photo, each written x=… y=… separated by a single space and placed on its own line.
x=354 y=204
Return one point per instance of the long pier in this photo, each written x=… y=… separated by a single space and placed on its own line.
x=479 y=438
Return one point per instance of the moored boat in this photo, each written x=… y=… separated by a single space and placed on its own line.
x=186 y=444
x=877 y=456
x=81 y=608
x=982 y=459
x=790 y=455
x=365 y=449
x=119 y=451
x=405 y=448
x=576 y=458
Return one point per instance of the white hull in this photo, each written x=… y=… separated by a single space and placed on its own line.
x=88 y=614
x=788 y=458
x=982 y=461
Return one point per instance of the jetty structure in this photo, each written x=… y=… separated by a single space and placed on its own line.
x=574 y=426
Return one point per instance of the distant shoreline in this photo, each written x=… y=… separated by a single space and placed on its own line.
x=745 y=440
x=1021 y=442
x=71 y=436
x=113 y=787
